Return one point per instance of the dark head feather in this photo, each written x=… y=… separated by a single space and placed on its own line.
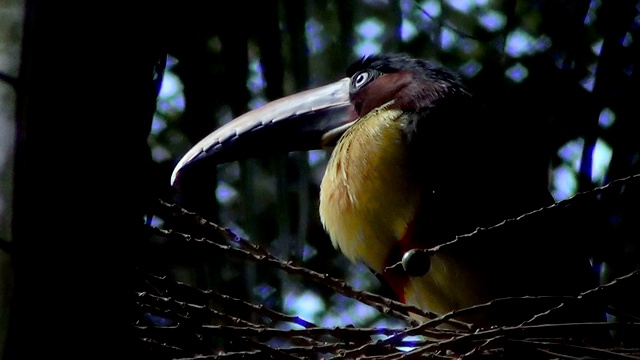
x=391 y=63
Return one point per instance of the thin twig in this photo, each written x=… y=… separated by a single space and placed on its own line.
x=517 y=332
x=163 y=346
x=269 y=332
x=421 y=329
x=380 y=303
x=580 y=197
x=242 y=305
x=162 y=304
x=576 y=349
x=599 y=291
x=482 y=346
x=223 y=232
x=444 y=24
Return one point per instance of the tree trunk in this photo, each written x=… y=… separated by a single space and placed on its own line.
x=85 y=103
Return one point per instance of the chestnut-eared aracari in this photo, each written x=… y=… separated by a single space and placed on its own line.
x=416 y=160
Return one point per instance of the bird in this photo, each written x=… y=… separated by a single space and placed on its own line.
x=416 y=161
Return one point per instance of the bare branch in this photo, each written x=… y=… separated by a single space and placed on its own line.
x=255 y=253
x=581 y=351
x=239 y=304
x=614 y=185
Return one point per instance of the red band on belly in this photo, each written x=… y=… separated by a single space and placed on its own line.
x=396 y=277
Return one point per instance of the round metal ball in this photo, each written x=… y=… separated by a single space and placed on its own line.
x=416 y=262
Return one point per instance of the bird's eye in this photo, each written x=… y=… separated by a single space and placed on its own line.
x=360 y=79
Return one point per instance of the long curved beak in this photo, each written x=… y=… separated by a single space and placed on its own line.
x=304 y=121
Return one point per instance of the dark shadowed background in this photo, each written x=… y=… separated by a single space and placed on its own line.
x=560 y=72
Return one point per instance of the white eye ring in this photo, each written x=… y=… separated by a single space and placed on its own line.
x=361 y=79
